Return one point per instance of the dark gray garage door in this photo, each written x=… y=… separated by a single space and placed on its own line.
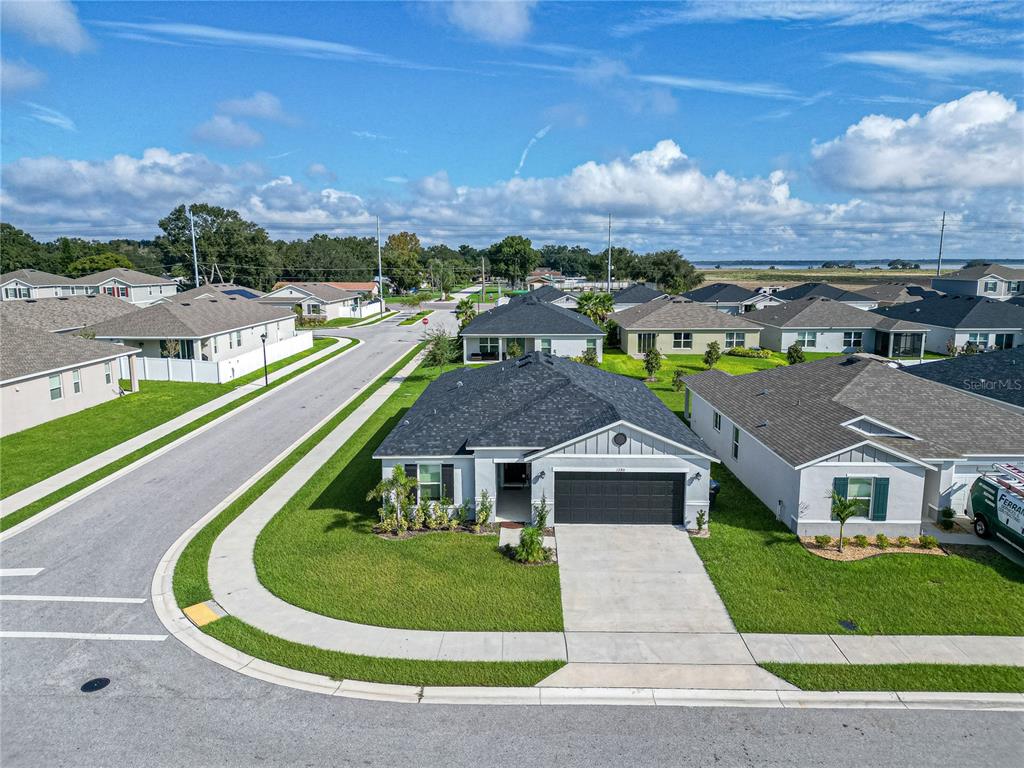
x=619 y=497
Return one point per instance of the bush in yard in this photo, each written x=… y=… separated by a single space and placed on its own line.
x=464 y=514
x=483 y=511
x=712 y=354
x=611 y=333
x=396 y=495
x=946 y=516
x=531 y=546
x=677 y=379
x=860 y=541
x=902 y=541
x=702 y=518
x=762 y=354
x=541 y=512
x=513 y=350
x=882 y=541
x=442 y=348
x=589 y=357
x=438 y=518
x=795 y=354
x=928 y=542
x=652 y=363
x=842 y=510
x=823 y=540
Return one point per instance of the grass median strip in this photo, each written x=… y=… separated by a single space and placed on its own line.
x=377 y=319
x=416 y=318
x=14 y=518
x=191 y=586
x=901 y=677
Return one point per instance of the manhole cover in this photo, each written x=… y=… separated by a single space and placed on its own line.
x=96 y=684
x=848 y=625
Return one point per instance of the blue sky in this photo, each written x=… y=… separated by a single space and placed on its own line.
x=729 y=130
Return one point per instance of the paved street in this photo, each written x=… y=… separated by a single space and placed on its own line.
x=168 y=706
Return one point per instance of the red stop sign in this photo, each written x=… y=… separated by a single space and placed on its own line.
x=424 y=321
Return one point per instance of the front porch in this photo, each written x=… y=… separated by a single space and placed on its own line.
x=492 y=349
x=513 y=496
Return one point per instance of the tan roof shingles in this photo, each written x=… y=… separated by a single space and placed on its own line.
x=194 y=319
x=66 y=312
x=678 y=314
x=27 y=351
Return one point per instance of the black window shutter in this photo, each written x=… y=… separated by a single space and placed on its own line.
x=448 y=481
x=410 y=471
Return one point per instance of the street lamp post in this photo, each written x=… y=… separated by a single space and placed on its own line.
x=266 y=377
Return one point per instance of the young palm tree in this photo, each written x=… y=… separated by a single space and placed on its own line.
x=842 y=510
x=465 y=311
x=596 y=306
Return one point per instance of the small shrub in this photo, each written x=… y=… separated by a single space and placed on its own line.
x=541 y=512
x=946 y=516
x=652 y=362
x=513 y=350
x=438 y=517
x=702 y=518
x=844 y=541
x=421 y=514
x=882 y=541
x=677 y=379
x=860 y=540
x=762 y=354
x=712 y=354
x=795 y=354
x=483 y=510
x=928 y=542
x=902 y=541
x=463 y=514
x=823 y=540
x=589 y=357
x=531 y=546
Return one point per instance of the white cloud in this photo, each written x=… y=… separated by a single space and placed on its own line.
x=50 y=116
x=767 y=90
x=227 y=132
x=497 y=21
x=529 y=145
x=261 y=105
x=370 y=135
x=19 y=76
x=933 y=63
x=321 y=171
x=52 y=23
x=973 y=142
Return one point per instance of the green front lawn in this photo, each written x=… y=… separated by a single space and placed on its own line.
x=770 y=583
x=320 y=553
x=901 y=677
x=46 y=449
x=338 y=322
x=416 y=318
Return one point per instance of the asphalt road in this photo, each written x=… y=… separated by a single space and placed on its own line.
x=168 y=706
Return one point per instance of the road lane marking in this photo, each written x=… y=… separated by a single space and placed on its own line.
x=73 y=599
x=20 y=571
x=7 y=634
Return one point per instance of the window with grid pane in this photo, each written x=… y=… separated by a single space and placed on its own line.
x=430 y=482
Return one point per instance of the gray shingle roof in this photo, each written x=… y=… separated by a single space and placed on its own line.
x=1017 y=301
x=998 y=375
x=730 y=293
x=216 y=291
x=825 y=290
x=35 y=277
x=798 y=411
x=958 y=312
x=979 y=271
x=323 y=291
x=127 y=276
x=818 y=312
x=537 y=401
x=897 y=293
x=678 y=314
x=636 y=294
x=544 y=293
x=27 y=351
x=530 y=316
x=65 y=312
x=194 y=319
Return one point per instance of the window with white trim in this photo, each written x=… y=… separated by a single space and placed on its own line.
x=16 y=292
x=735 y=442
x=978 y=339
x=645 y=342
x=56 y=390
x=735 y=339
x=429 y=482
x=238 y=339
x=991 y=286
x=716 y=421
x=853 y=339
x=314 y=309
x=807 y=339
x=545 y=346
x=682 y=340
x=860 y=489
x=76 y=381
x=489 y=346
x=591 y=345
x=108 y=374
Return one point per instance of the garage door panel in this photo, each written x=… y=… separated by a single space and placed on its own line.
x=647 y=498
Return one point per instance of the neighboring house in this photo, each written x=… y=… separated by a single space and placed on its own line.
x=634 y=296
x=887 y=294
x=534 y=325
x=600 y=448
x=997 y=377
x=903 y=446
x=825 y=325
x=963 y=320
x=215 y=291
x=992 y=281
x=676 y=326
x=133 y=286
x=549 y=294
x=545 y=276
x=44 y=375
x=35 y=284
x=730 y=298
x=825 y=291
x=367 y=287
x=209 y=340
x=66 y=313
x=320 y=301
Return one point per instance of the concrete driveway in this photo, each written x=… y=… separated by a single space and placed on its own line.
x=635 y=578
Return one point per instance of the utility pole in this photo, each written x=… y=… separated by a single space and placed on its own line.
x=609 y=253
x=483 y=283
x=942 y=231
x=380 y=272
x=195 y=257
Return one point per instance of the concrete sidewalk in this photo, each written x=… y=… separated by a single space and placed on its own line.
x=44 y=488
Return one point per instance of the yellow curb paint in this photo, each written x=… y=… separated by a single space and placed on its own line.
x=200 y=614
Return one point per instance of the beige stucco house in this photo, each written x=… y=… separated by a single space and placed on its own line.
x=677 y=326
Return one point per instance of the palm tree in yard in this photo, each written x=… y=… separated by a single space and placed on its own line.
x=842 y=510
x=465 y=311
x=596 y=306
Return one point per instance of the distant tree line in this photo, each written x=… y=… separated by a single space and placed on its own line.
x=235 y=250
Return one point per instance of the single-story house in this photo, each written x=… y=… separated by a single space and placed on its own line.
x=731 y=298
x=133 y=286
x=992 y=281
x=825 y=291
x=547 y=293
x=34 y=284
x=996 y=376
x=634 y=295
x=825 y=325
x=904 y=447
x=215 y=291
x=887 y=294
x=956 y=321
x=368 y=287
x=320 y=301
x=676 y=326
x=600 y=448
x=535 y=326
x=65 y=313
x=209 y=340
x=545 y=276
x=45 y=375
